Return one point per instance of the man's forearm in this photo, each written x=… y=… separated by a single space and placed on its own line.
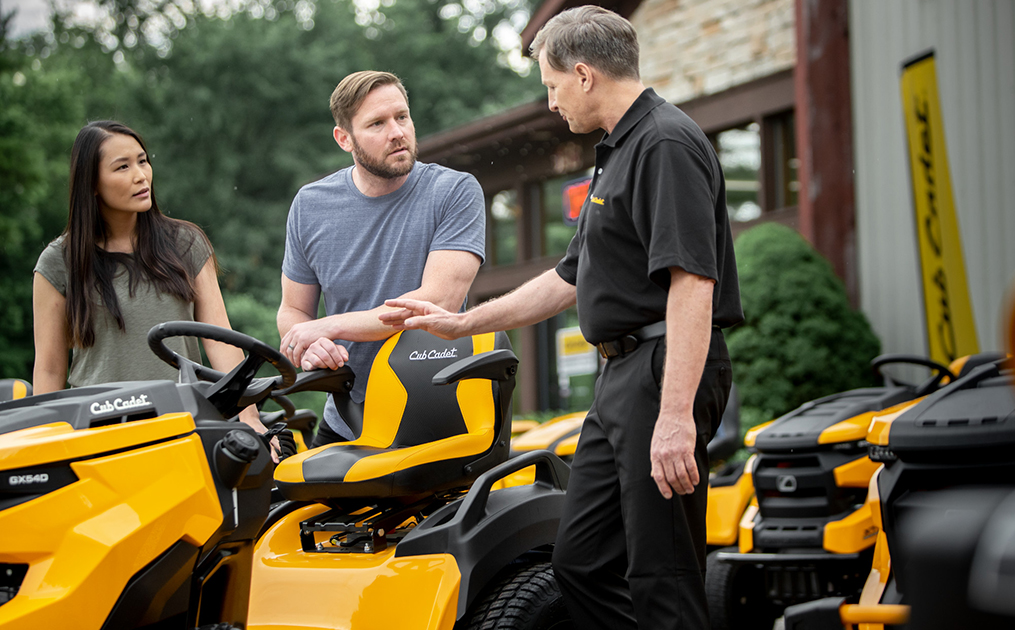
x=542 y=297
x=688 y=334
x=288 y=317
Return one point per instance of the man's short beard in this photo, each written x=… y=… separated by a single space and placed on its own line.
x=381 y=168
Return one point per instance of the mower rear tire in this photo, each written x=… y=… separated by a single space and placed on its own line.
x=526 y=597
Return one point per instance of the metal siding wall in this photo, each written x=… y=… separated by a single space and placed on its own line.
x=975 y=59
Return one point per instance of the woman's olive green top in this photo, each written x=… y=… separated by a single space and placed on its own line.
x=123 y=355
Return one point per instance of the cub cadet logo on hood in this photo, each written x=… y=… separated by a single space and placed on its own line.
x=119 y=404
x=448 y=353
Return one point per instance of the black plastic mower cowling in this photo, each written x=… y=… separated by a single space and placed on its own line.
x=487 y=529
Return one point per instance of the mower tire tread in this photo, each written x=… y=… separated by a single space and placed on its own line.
x=736 y=599
x=525 y=598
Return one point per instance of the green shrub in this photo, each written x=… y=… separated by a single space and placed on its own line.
x=800 y=339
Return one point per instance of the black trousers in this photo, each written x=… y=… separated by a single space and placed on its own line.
x=626 y=557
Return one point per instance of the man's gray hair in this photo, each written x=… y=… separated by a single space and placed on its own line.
x=591 y=35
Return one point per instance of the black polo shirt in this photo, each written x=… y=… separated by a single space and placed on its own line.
x=657 y=200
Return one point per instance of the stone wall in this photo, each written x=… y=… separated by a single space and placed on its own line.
x=691 y=48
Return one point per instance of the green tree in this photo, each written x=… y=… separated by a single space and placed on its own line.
x=801 y=339
x=40 y=110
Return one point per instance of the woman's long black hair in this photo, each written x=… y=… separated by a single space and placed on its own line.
x=90 y=269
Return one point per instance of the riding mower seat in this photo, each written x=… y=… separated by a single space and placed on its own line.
x=435 y=416
x=14 y=388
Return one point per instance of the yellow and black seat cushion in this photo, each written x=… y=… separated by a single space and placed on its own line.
x=415 y=437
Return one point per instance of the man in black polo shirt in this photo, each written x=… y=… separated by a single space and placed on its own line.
x=652 y=271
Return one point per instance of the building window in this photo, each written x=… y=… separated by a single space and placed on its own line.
x=785 y=182
x=739 y=152
x=751 y=127
x=760 y=165
x=505 y=211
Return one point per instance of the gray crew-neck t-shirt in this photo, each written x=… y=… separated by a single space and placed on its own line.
x=123 y=355
x=363 y=250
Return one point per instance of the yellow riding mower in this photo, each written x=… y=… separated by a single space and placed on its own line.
x=139 y=505
x=807 y=532
x=944 y=505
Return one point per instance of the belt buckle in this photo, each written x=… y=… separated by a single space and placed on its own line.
x=618 y=347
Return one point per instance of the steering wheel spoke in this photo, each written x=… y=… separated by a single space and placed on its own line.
x=236 y=390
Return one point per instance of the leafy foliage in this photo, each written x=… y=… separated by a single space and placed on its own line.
x=801 y=339
x=38 y=121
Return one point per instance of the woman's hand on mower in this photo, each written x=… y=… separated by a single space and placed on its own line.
x=251 y=417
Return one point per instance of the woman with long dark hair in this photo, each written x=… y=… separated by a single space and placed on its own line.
x=119 y=268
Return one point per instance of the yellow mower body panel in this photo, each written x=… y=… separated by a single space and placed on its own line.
x=881 y=422
x=752 y=434
x=745 y=542
x=83 y=542
x=726 y=505
x=549 y=432
x=881 y=566
x=855 y=474
x=347 y=591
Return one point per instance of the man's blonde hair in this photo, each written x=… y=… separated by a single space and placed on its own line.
x=353 y=89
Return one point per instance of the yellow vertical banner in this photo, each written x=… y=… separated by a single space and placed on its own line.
x=951 y=331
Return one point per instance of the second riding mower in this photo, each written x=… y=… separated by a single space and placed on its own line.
x=807 y=530
x=944 y=503
x=560 y=436
x=139 y=505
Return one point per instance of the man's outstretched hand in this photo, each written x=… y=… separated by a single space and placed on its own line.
x=417 y=314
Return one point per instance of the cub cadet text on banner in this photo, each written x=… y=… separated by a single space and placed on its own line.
x=951 y=331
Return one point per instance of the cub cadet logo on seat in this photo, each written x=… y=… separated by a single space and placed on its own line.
x=786 y=483
x=119 y=404
x=449 y=353
x=21 y=480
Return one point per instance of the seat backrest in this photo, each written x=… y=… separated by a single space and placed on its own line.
x=14 y=389
x=403 y=408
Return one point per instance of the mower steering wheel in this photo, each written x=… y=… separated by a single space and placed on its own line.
x=230 y=390
x=940 y=371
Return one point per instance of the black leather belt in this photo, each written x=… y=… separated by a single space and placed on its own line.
x=627 y=343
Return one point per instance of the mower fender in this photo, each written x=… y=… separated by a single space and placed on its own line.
x=487 y=530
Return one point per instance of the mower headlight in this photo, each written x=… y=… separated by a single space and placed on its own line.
x=850 y=447
x=881 y=454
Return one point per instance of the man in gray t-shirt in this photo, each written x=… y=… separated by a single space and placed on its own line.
x=383 y=228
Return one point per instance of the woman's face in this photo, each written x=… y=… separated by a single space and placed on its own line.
x=125 y=176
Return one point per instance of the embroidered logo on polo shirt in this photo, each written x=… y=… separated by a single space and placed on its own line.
x=597 y=200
